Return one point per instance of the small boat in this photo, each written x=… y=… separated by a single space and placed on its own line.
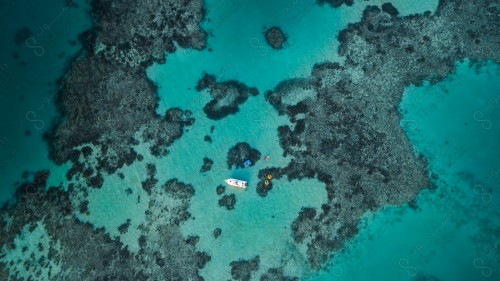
x=265 y=158
x=237 y=183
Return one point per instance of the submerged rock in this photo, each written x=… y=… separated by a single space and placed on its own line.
x=263 y=189
x=275 y=37
x=390 y=9
x=276 y=274
x=336 y=3
x=243 y=269
x=220 y=189
x=217 y=233
x=96 y=181
x=22 y=35
x=40 y=179
x=124 y=227
x=228 y=201
x=207 y=165
x=149 y=183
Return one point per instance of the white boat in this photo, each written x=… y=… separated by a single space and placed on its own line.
x=237 y=183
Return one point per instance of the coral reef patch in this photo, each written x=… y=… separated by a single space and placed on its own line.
x=108 y=85
x=220 y=189
x=243 y=269
x=228 y=201
x=217 y=233
x=124 y=227
x=276 y=274
x=75 y=250
x=238 y=154
x=207 y=165
x=136 y=33
x=275 y=37
x=226 y=96
x=336 y=3
x=151 y=181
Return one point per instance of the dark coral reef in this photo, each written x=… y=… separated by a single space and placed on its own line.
x=276 y=274
x=106 y=98
x=345 y=127
x=136 y=33
x=220 y=189
x=85 y=252
x=243 y=269
x=207 y=165
x=275 y=37
x=149 y=183
x=228 y=201
x=336 y=3
x=107 y=106
x=226 y=96
x=239 y=153
x=217 y=233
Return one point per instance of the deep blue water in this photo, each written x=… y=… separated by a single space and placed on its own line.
x=30 y=67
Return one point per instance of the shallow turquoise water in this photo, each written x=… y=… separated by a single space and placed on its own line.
x=239 y=50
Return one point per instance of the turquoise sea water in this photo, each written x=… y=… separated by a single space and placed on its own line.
x=239 y=51
x=452 y=235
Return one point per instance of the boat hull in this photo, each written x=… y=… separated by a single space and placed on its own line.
x=236 y=183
